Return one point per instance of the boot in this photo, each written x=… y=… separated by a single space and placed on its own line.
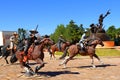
x=82 y=50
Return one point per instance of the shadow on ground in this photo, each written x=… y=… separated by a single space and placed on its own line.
x=55 y=73
x=97 y=66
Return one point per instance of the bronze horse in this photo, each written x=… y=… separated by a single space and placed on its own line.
x=53 y=48
x=36 y=55
x=73 y=50
x=5 y=51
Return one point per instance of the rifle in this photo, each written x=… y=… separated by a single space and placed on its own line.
x=36 y=27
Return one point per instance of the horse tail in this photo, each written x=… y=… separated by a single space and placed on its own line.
x=13 y=58
x=65 y=53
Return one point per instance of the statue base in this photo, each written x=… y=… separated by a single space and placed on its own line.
x=103 y=36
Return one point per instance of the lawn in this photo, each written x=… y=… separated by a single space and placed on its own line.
x=108 y=52
x=102 y=52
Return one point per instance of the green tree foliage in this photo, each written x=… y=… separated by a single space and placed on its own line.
x=60 y=30
x=111 y=31
x=118 y=31
x=21 y=32
x=72 y=32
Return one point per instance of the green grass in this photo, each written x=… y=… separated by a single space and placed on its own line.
x=102 y=52
x=58 y=53
x=108 y=52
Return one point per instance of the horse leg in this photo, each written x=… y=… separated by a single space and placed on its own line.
x=54 y=55
x=6 y=59
x=65 y=61
x=92 y=62
x=96 y=56
x=50 y=53
x=41 y=65
x=28 y=69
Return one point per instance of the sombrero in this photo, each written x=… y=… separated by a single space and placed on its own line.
x=46 y=36
x=15 y=33
x=61 y=35
x=33 y=31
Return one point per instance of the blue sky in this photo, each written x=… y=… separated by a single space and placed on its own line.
x=48 y=14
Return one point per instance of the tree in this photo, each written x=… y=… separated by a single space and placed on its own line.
x=72 y=32
x=118 y=31
x=21 y=32
x=59 y=30
x=111 y=31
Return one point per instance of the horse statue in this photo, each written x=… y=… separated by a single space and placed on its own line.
x=73 y=50
x=34 y=53
x=53 y=48
x=5 y=52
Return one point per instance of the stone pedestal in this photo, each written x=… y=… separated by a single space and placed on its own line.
x=107 y=44
x=103 y=36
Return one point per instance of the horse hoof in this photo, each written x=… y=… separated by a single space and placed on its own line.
x=32 y=72
x=36 y=69
x=60 y=64
x=28 y=74
x=93 y=66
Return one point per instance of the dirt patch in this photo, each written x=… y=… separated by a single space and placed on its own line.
x=77 y=69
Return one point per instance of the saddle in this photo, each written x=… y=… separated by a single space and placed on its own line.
x=59 y=46
x=30 y=50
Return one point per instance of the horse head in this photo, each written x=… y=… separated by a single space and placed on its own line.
x=100 y=42
x=47 y=41
x=68 y=43
x=97 y=41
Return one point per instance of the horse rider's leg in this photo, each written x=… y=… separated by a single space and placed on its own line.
x=59 y=46
x=92 y=62
x=39 y=61
x=96 y=56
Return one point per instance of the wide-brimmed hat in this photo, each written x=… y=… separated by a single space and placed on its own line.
x=92 y=25
x=46 y=36
x=61 y=35
x=15 y=33
x=33 y=31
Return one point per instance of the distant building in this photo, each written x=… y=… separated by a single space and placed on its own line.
x=5 y=37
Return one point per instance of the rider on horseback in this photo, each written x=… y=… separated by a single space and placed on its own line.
x=60 y=41
x=28 y=42
x=82 y=40
x=13 y=41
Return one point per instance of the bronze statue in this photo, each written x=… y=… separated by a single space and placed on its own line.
x=93 y=28
x=97 y=30
x=101 y=18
